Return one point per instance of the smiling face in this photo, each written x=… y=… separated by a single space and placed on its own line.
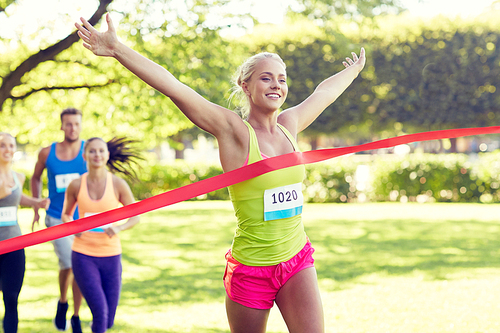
x=7 y=147
x=267 y=88
x=96 y=153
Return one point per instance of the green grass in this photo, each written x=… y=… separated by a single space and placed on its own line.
x=381 y=267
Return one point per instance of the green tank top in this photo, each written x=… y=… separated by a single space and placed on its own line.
x=266 y=235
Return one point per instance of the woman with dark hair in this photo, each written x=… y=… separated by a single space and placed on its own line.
x=12 y=264
x=96 y=256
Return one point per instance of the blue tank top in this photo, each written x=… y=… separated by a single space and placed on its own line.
x=60 y=174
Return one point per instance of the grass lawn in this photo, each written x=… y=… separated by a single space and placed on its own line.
x=382 y=267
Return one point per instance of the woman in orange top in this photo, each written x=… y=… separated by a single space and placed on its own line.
x=96 y=256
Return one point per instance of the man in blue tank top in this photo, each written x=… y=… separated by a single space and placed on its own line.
x=64 y=162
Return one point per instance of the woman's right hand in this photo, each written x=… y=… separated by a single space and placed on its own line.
x=100 y=43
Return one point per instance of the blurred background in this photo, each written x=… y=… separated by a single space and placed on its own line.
x=430 y=65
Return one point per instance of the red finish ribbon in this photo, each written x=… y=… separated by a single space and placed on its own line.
x=224 y=180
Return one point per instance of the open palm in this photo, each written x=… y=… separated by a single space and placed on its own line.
x=356 y=61
x=100 y=43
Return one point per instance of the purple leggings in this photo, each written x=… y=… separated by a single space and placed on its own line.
x=99 y=279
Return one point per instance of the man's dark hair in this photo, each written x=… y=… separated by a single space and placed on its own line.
x=70 y=111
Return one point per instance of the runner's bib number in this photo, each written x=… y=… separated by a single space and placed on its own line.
x=8 y=216
x=101 y=228
x=62 y=181
x=282 y=202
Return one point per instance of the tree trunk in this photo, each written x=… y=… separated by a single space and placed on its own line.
x=453 y=148
x=314 y=142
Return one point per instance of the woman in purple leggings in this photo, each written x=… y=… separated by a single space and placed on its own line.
x=96 y=256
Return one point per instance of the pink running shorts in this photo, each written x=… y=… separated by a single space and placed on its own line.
x=257 y=286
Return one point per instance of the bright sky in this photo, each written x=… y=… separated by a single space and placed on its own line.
x=24 y=20
x=464 y=8
x=267 y=10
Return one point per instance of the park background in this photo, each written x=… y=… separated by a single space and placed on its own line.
x=435 y=232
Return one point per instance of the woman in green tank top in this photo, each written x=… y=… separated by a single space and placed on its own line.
x=262 y=81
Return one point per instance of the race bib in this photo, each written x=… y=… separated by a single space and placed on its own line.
x=282 y=202
x=8 y=216
x=62 y=181
x=98 y=229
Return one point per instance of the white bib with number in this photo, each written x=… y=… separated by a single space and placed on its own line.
x=62 y=181
x=282 y=202
x=8 y=216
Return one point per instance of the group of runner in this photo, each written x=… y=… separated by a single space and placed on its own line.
x=270 y=261
x=77 y=175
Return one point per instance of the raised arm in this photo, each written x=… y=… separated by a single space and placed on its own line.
x=204 y=114
x=301 y=116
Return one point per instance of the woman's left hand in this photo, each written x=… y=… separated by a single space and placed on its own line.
x=356 y=61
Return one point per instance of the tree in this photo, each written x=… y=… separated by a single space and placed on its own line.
x=13 y=78
x=114 y=101
x=4 y=4
x=327 y=12
x=37 y=85
x=443 y=75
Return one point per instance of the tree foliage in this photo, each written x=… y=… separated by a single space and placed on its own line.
x=37 y=85
x=5 y=3
x=440 y=76
x=326 y=10
x=419 y=75
x=14 y=78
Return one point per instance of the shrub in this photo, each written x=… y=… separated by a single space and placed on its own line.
x=426 y=177
x=415 y=177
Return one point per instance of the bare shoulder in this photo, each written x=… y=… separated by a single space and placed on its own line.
x=120 y=185
x=234 y=145
x=74 y=186
x=288 y=119
x=122 y=191
x=43 y=154
x=232 y=127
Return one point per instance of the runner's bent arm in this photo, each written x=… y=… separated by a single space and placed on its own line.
x=70 y=198
x=36 y=181
x=125 y=196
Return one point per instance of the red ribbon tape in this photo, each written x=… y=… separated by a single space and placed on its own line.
x=224 y=180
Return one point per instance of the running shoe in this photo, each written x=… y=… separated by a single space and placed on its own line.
x=60 y=321
x=76 y=325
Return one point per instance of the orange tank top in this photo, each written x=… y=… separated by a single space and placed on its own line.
x=96 y=242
